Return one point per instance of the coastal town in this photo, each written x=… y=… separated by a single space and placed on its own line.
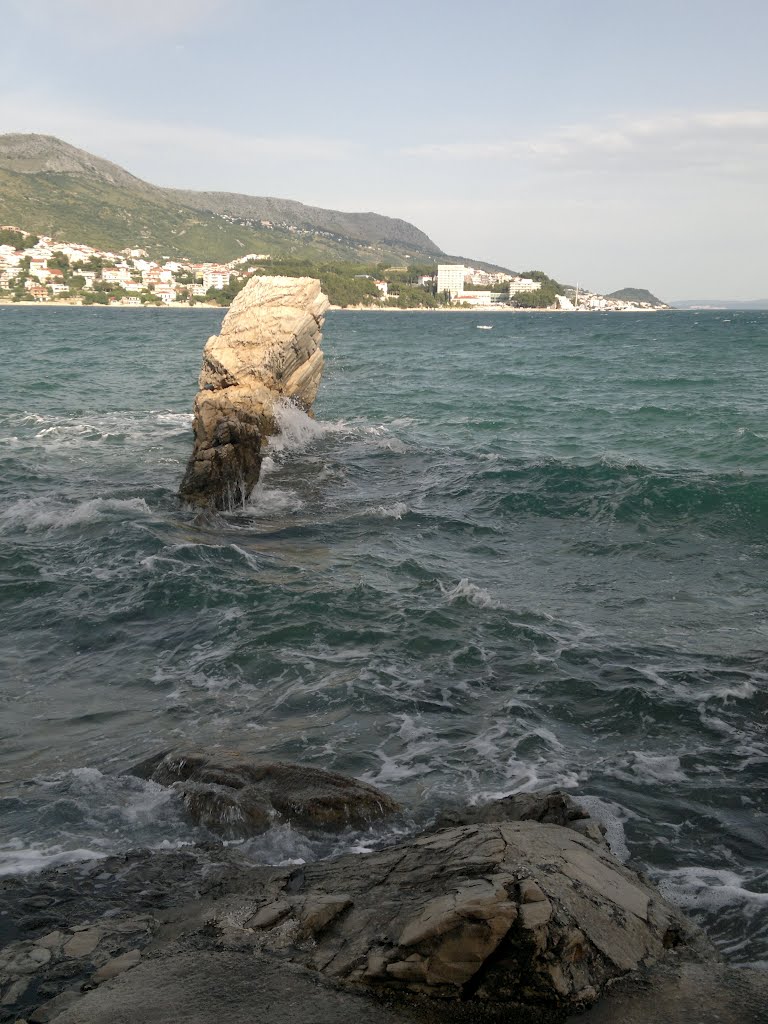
x=39 y=269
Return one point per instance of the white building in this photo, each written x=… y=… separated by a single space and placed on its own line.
x=116 y=275
x=450 y=278
x=215 y=279
x=523 y=284
x=476 y=298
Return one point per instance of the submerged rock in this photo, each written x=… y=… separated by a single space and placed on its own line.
x=237 y=796
x=268 y=351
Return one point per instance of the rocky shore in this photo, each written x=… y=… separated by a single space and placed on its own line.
x=514 y=911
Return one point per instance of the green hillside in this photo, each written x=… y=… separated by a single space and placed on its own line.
x=49 y=187
x=635 y=295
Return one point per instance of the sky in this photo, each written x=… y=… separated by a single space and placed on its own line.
x=609 y=144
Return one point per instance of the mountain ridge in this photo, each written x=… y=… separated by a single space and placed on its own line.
x=46 y=181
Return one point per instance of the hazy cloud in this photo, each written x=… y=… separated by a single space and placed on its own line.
x=143 y=140
x=728 y=141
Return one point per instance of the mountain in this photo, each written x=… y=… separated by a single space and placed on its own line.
x=636 y=295
x=720 y=304
x=50 y=187
x=360 y=227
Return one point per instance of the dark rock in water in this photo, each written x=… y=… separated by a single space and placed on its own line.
x=268 y=351
x=235 y=796
x=226 y=464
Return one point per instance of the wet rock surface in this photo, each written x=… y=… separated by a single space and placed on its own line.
x=507 y=920
x=236 y=796
x=268 y=351
x=552 y=808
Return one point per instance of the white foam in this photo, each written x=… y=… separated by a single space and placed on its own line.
x=16 y=858
x=612 y=817
x=44 y=513
x=660 y=767
x=711 y=889
x=396 y=511
x=297 y=429
x=175 y=418
x=465 y=590
x=270 y=501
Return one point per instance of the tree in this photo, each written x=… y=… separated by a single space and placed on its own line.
x=59 y=260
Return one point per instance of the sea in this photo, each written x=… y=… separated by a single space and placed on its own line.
x=497 y=561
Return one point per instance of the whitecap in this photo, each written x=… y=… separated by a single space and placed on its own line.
x=43 y=513
x=396 y=511
x=659 y=767
x=18 y=858
x=465 y=590
x=712 y=889
x=271 y=501
x=175 y=418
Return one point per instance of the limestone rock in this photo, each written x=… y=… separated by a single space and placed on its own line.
x=82 y=943
x=268 y=351
x=523 y=921
x=517 y=913
x=234 y=795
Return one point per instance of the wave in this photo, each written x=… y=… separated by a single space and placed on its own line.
x=17 y=858
x=470 y=593
x=728 y=898
x=606 y=491
x=396 y=511
x=297 y=430
x=49 y=514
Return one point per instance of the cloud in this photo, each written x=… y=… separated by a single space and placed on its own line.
x=727 y=141
x=154 y=143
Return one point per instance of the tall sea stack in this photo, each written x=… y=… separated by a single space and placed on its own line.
x=268 y=350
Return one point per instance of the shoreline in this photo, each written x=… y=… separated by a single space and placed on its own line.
x=53 y=304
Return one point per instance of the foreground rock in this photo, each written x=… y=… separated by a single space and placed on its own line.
x=523 y=921
x=268 y=351
x=236 y=796
x=516 y=913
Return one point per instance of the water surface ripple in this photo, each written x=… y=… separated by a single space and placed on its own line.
x=497 y=561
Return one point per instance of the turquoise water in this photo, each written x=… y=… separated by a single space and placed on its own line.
x=499 y=560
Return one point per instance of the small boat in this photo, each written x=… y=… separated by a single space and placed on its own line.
x=484 y=327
